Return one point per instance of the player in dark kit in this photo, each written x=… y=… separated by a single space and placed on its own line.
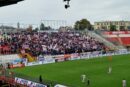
x=40 y=79
x=88 y=82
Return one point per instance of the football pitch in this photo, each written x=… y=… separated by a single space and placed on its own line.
x=69 y=72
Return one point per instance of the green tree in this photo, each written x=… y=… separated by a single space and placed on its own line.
x=82 y=25
x=36 y=29
x=42 y=26
x=113 y=28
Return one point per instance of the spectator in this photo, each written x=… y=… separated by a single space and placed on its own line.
x=53 y=43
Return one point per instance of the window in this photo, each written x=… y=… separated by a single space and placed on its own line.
x=128 y=27
x=97 y=23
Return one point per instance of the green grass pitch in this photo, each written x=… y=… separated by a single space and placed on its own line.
x=95 y=69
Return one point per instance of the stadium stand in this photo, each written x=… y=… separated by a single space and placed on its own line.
x=119 y=37
x=54 y=46
x=53 y=43
x=98 y=36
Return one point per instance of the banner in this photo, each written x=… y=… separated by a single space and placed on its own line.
x=59 y=58
x=116 y=32
x=75 y=56
x=84 y=55
x=48 y=60
x=28 y=83
x=67 y=57
x=16 y=61
x=16 y=65
x=34 y=63
x=40 y=58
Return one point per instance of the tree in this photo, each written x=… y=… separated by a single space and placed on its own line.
x=82 y=25
x=42 y=26
x=36 y=29
x=30 y=28
x=113 y=28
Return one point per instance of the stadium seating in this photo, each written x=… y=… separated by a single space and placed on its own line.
x=53 y=43
x=125 y=40
x=118 y=37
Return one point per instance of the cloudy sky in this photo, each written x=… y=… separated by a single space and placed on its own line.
x=33 y=11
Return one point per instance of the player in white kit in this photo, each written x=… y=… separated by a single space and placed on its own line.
x=109 y=70
x=123 y=83
x=83 y=78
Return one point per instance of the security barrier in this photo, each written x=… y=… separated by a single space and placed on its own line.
x=75 y=56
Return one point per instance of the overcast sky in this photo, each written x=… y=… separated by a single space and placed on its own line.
x=33 y=11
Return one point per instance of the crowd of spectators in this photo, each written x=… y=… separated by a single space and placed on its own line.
x=52 y=43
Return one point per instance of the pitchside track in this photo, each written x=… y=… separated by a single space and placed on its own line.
x=70 y=72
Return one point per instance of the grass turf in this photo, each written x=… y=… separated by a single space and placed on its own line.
x=95 y=69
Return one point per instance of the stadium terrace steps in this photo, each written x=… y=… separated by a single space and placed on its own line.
x=28 y=56
x=125 y=40
x=101 y=38
x=120 y=40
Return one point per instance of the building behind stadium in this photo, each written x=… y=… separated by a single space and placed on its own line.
x=106 y=25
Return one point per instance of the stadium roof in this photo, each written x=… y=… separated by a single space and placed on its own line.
x=8 y=2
